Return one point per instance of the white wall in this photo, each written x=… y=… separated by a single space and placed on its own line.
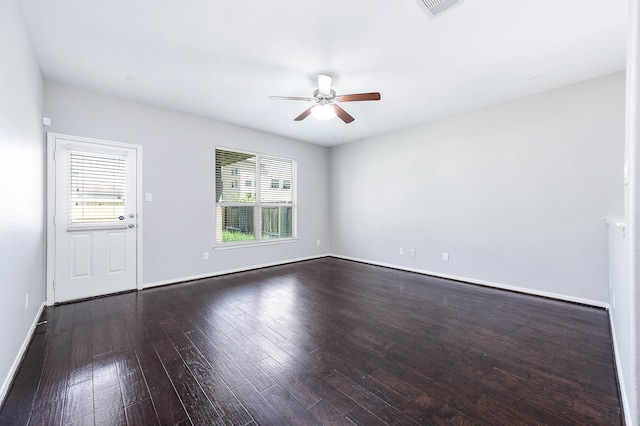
x=21 y=188
x=178 y=169
x=625 y=260
x=515 y=193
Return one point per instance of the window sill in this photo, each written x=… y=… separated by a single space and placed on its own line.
x=230 y=246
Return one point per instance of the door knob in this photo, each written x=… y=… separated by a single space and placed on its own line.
x=131 y=225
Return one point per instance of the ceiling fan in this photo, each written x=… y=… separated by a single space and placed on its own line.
x=326 y=101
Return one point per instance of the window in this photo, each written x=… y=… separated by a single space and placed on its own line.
x=260 y=211
x=98 y=185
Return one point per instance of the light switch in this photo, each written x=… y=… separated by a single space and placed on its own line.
x=148 y=196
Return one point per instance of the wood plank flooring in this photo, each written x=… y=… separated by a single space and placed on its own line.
x=326 y=341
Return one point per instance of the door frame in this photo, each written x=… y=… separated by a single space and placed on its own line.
x=51 y=197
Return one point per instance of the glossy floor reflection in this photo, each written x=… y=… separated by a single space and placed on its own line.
x=326 y=341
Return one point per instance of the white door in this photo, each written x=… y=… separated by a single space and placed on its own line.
x=95 y=217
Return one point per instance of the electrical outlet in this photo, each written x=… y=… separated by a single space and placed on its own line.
x=317 y=242
x=413 y=252
x=445 y=257
x=205 y=256
x=148 y=196
x=401 y=250
x=26 y=302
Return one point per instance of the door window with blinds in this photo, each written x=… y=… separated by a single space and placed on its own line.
x=263 y=207
x=98 y=187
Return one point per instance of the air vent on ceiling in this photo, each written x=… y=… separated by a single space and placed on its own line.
x=434 y=8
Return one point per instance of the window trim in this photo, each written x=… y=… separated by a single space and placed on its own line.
x=257 y=205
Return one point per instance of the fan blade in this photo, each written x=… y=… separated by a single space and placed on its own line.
x=304 y=114
x=357 y=97
x=324 y=84
x=344 y=115
x=289 y=98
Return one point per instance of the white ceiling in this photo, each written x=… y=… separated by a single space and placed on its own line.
x=222 y=59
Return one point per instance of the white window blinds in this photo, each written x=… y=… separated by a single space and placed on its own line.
x=98 y=187
x=232 y=168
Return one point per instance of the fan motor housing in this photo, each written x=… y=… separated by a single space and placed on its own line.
x=319 y=96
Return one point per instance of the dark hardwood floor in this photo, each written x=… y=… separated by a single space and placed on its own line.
x=326 y=341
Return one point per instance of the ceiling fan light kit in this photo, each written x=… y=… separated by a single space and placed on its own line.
x=326 y=100
x=323 y=112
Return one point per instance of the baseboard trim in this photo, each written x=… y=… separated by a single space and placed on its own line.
x=21 y=353
x=231 y=271
x=524 y=290
x=500 y=286
x=619 y=373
